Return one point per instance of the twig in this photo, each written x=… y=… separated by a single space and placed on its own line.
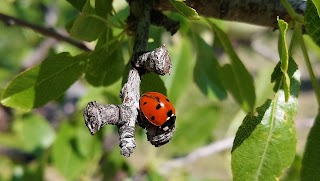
x=313 y=78
x=291 y=11
x=159 y=19
x=39 y=53
x=202 y=152
x=10 y=21
x=126 y=115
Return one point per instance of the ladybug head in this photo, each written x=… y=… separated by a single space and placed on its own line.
x=169 y=124
x=158 y=137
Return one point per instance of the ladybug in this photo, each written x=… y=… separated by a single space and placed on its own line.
x=158 y=110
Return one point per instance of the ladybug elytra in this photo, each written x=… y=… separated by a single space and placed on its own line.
x=158 y=110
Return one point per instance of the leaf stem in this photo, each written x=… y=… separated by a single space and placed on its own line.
x=118 y=19
x=291 y=12
x=308 y=63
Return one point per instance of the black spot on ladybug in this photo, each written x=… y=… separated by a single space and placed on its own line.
x=169 y=113
x=167 y=100
x=158 y=107
x=144 y=103
x=152 y=117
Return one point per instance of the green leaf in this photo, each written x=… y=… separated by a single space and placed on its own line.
x=87 y=27
x=205 y=117
x=241 y=78
x=185 y=10
x=228 y=74
x=265 y=143
x=103 y=7
x=276 y=74
x=34 y=132
x=44 y=82
x=79 y=4
x=65 y=157
x=87 y=145
x=69 y=24
x=106 y=65
x=312 y=22
x=286 y=86
x=317 y=5
x=310 y=169
x=206 y=71
x=88 y=7
x=283 y=49
x=281 y=80
x=182 y=65
x=152 y=82
x=284 y=57
x=106 y=38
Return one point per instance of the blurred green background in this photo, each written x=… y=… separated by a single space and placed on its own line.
x=53 y=143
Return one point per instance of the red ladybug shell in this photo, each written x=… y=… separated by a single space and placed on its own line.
x=157 y=108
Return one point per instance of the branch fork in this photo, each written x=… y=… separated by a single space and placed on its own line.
x=126 y=115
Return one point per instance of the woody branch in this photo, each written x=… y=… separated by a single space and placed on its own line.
x=125 y=116
x=257 y=12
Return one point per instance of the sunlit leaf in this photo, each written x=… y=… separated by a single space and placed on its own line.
x=185 y=10
x=283 y=49
x=265 y=143
x=284 y=57
x=44 y=82
x=317 y=5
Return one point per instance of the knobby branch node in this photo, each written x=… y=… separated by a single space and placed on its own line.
x=126 y=115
